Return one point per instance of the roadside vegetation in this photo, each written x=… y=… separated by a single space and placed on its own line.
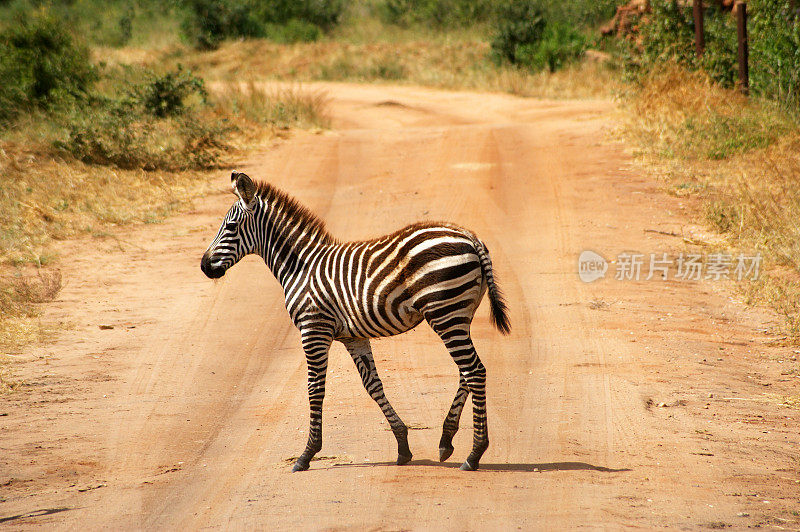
x=86 y=145
x=738 y=155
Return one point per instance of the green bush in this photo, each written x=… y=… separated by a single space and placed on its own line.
x=560 y=45
x=717 y=136
x=168 y=94
x=775 y=50
x=105 y=22
x=294 y=30
x=519 y=27
x=41 y=66
x=581 y=13
x=774 y=38
x=526 y=37
x=667 y=35
x=158 y=123
x=209 y=22
x=437 y=13
x=720 y=57
x=121 y=135
x=324 y=14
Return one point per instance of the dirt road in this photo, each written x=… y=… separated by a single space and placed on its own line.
x=174 y=402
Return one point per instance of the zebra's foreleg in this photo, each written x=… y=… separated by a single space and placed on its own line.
x=316 y=344
x=360 y=350
x=452 y=419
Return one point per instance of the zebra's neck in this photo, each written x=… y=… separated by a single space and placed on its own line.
x=290 y=235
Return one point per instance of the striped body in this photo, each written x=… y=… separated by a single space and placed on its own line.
x=382 y=287
x=354 y=291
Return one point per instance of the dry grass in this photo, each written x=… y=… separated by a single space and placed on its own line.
x=792 y=401
x=280 y=108
x=7 y=380
x=741 y=159
x=451 y=63
x=21 y=293
x=681 y=114
x=44 y=199
x=588 y=79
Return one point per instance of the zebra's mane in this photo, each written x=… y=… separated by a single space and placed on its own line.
x=294 y=211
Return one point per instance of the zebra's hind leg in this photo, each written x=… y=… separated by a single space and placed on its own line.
x=316 y=343
x=454 y=332
x=451 y=421
x=361 y=352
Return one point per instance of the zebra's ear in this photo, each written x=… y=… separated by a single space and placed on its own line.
x=243 y=187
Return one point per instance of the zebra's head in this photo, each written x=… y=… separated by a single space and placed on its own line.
x=234 y=239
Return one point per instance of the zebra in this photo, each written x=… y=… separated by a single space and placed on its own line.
x=353 y=291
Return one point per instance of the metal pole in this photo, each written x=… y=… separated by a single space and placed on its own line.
x=741 y=27
x=699 y=37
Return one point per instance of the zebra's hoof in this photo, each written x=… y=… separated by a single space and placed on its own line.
x=444 y=453
x=403 y=459
x=300 y=466
x=467 y=466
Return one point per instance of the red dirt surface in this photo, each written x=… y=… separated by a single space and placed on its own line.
x=612 y=404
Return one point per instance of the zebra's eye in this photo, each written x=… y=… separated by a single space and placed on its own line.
x=231 y=226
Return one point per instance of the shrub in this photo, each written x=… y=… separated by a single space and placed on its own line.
x=104 y=22
x=41 y=65
x=720 y=57
x=324 y=14
x=519 y=26
x=775 y=50
x=719 y=136
x=155 y=124
x=209 y=22
x=581 y=13
x=293 y=31
x=167 y=95
x=667 y=35
x=774 y=38
x=560 y=45
x=121 y=136
x=524 y=36
x=436 y=13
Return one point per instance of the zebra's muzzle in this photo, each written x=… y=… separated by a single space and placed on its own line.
x=211 y=271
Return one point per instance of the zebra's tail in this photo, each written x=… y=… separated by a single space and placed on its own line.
x=498 y=308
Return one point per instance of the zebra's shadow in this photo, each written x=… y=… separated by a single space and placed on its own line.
x=531 y=468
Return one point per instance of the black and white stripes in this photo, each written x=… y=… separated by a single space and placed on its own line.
x=354 y=291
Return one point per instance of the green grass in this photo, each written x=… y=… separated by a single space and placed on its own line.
x=719 y=136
